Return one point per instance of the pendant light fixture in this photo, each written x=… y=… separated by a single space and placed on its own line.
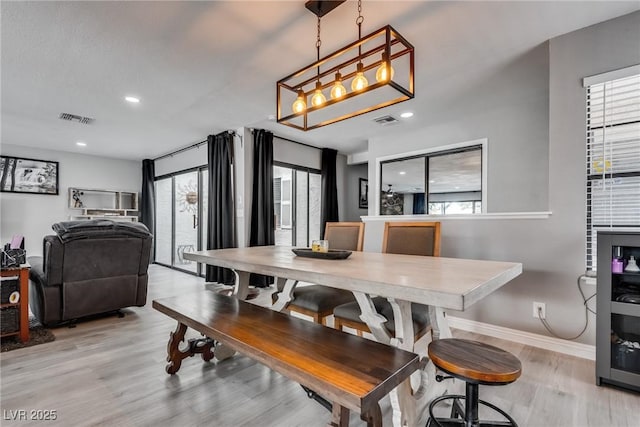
x=318 y=97
x=379 y=68
x=338 y=90
x=359 y=81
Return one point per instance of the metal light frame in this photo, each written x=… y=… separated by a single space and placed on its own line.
x=389 y=37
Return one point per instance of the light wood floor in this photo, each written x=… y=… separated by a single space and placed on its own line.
x=111 y=372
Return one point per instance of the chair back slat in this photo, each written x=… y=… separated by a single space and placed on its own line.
x=411 y=238
x=345 y=235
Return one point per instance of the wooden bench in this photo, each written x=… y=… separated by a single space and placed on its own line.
x=351 y=372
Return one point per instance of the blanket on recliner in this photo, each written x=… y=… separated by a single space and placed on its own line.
x=74 y=230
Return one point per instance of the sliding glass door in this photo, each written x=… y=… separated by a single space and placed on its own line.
x=296 y=193
x=185 y=214
x=181 y=201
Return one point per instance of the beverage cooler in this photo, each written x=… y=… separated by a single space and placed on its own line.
x=618 y=309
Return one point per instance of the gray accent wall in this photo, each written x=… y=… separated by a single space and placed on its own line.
x=536 y=163
x=353 y=173
x=511 y=110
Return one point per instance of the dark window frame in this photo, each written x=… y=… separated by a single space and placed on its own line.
x=473 y=147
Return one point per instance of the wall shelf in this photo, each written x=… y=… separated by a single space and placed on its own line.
x=95 y=204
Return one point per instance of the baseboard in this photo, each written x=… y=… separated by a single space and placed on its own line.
x=584 y=351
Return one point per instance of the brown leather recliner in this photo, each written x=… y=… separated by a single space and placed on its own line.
x=89 y=267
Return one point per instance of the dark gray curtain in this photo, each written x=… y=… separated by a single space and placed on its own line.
x=329 y=189
x=418 y=204
x=221 y=221
x=148 y=198
x=262 y=232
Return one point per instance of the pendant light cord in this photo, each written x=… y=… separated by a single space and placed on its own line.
x=318 y=44
x=359 y=21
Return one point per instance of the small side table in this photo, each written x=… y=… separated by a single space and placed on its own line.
x=22 y=273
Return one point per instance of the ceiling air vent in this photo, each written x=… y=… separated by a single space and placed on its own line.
x=74 y=118
x=386 y=120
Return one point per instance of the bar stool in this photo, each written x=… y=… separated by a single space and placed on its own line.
x=474 y=363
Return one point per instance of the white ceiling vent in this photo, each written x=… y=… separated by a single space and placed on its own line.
x=75 y=118
x=386 y=120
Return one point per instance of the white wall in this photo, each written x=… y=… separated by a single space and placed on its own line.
x=551 y=249
x=33 y=214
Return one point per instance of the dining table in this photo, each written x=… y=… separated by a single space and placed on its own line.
x=440 y=283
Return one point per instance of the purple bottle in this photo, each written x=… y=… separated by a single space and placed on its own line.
x=617 y=265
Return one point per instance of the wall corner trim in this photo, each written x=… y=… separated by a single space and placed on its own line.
x=584 y=351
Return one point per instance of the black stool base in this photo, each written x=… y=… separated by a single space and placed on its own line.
x=458 y=414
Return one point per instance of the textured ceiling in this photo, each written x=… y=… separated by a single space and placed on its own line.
x=205 y=67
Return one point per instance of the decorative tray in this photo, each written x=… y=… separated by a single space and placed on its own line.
x=332 y=254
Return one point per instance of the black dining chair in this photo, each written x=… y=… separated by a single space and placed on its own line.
x=408 y=238
x=319 y=301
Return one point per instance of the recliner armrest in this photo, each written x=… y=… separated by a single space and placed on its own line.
x=36 y=272
x=52 y=264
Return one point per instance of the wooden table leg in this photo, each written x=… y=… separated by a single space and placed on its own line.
x=373 y=416
x=339 y=416
x=402 y=401
x=439 y=323
x=285 y=295
x=374 y=320
x=196 y=346
x=241 y=290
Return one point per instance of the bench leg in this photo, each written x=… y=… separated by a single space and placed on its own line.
x=373 y=416
x=339 y=416
x=196 y=346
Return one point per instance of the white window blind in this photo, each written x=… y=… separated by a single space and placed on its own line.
x=613 y=158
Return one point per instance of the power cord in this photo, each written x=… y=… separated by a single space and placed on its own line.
x=585 y=302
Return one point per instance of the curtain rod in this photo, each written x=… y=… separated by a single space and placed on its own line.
x=291 y=140
x=189 y=147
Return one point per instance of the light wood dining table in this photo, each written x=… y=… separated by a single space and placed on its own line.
x=438 y=282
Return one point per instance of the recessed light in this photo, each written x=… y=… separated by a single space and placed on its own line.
x=81 y=144
x=432 y=181
x=132 y=99
x=406 y=115
x=402 y=173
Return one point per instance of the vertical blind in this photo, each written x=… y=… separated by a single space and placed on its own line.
x=613 y=158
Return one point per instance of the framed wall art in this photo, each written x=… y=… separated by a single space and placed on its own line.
x=20 y=175
x=363 y=192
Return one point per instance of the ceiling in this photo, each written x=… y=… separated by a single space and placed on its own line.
x=205 y=67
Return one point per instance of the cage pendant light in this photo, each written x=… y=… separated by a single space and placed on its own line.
x=373 y=72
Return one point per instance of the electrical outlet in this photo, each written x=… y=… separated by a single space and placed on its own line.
x=539 y=310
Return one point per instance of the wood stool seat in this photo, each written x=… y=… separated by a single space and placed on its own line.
x=474 y=363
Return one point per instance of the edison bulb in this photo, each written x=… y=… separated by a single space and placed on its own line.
x=338 y=90
x=359 y=81
x=318 y=97
x=382 y=75
x=300 y=103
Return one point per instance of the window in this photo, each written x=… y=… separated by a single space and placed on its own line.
x=437 y=183
x=613 y=156
x=296 y=193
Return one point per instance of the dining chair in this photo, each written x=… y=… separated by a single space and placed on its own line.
x=408 y=238
x=318 y=301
